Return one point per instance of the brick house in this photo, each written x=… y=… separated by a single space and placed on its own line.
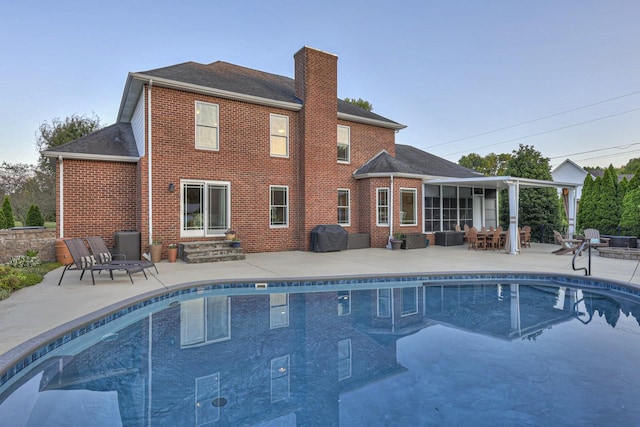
x=201 y=148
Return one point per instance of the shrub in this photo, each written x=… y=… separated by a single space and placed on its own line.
x=9 y=222
x=34 y=217
x=3 y=222
x=22 y=261
x=12 y=279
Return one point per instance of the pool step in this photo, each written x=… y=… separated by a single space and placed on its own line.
x=209 y=251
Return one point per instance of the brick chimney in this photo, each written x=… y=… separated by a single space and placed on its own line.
x=316 y=84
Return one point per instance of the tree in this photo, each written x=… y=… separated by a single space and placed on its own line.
x=489 y=165
x=34 y=217
x=538 y=206
x=631 y=167
x=60 y=132
x=607 y=203
x=585 y=213
x=365 y=105
x=9 y=222
x=3 y=222
x=630 y=217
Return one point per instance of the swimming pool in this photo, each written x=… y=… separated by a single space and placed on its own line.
x=406 y=350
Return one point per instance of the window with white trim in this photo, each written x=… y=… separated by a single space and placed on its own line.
x=279 y=135
x=384 y=302
x=344 y=303
x=206 y=126
x=206 y=208
x=278 y=310
x=344 y=359
x=408 y=206
x=280 y=378
x=344 y=206
x=344 y=144
x=279 y=206
x=382 y=206
x=205 y=320
x=409 y=297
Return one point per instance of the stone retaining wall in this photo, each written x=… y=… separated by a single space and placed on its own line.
x=16 y=242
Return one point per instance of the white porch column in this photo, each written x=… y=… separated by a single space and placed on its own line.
x=573 y=204
x=514 y=236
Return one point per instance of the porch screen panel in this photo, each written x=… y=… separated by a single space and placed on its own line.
x=431 y=208
x=217 y=208
x=466 y=206
x=193 y=206
x=449 y=208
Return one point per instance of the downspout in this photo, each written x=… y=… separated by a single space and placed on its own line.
x=150 y=169
x=61 y=192
x=391 y=207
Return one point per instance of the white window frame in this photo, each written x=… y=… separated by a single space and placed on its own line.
x=272 y=206
x=347 y=208
x=215 y=125
x=280 y=378
x=402 y=308
x=274 y=133
x=415 y=207
x=205 y=232
x=278 y=311
x=388 y=297
x=343 y=143
x=344 y=303
x=197 y=309
x=381 y=206
x=345 y=359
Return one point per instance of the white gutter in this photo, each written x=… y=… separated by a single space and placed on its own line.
x=83 y=156
x=149 y=166
x=391 y=207
x=61 y=191
x=369 y=121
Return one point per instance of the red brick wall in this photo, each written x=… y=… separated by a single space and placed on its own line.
x=99 y=198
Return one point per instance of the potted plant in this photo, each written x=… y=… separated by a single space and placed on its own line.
x=156 y=249
x=235 y=242
x=396 y=240
x=229 y=235
x=172 y=253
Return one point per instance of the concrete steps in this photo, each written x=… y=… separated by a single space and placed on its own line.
x=209 y=251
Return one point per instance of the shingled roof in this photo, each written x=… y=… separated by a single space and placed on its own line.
x=234 y=79
x=115 y=141
x=413 y=161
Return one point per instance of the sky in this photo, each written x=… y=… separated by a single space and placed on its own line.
x=465 y=76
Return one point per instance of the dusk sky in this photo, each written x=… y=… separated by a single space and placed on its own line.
x=464 y=76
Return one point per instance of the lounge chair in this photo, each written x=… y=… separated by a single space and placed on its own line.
x=104 y=256
x=83 y=261
x=566 y=245
x=594 y=238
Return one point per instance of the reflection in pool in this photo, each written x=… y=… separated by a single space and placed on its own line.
x=517 y=353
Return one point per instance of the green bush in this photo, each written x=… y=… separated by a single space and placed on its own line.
x=22 y=261
x=34 y=217
x=12 y=279
x=3 y=222
x=9 y=222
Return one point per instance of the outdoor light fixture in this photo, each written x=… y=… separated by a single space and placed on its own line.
x=172 y=187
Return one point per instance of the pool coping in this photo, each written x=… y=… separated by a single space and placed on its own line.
x=35 y=349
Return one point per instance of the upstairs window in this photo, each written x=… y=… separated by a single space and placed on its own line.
x=206 y=126
x=344 y=143
x=279 y=135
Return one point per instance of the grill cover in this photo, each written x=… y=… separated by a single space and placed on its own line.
x=328 y=237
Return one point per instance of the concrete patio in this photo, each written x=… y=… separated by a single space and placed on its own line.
x=35 y=310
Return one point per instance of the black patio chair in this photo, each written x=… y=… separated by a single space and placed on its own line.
x=104 y=256
x=84 y=261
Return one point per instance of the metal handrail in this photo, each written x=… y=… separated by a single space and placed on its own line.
x=587 y=270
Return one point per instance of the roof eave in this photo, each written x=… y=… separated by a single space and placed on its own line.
x=388 y=175
x=84 y=156
x=132 y=93
x=368 y=121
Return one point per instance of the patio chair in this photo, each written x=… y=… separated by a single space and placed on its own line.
x=83 y=261
x=496 y=240
x=476 y=241
x=594 y=238
x=566 y=245
x=525 y=237
x=104 y=256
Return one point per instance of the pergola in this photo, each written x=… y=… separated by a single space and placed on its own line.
x=514 y=184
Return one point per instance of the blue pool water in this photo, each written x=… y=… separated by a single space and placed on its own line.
x=375 y=352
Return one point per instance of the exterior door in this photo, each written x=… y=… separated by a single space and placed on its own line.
x=478 y=210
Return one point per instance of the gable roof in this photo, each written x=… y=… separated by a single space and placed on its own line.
x=115 y=143
x=411 y=161
x=234 y=82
